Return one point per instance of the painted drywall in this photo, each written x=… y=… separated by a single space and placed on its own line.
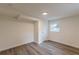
x=14 y=33
x=40 y=28
x=69 y=31
x=43 y=30
x=36 y=32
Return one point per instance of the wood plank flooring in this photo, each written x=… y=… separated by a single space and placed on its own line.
x=45 y=48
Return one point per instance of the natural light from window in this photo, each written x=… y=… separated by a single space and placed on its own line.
x=54 y=28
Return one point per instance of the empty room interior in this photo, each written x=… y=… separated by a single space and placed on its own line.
x=39 y=29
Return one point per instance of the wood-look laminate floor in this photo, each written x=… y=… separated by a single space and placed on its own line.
x=45 y=48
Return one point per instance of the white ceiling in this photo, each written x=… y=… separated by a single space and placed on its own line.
x=55 y=10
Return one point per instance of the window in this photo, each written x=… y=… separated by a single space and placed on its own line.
x=54 y=27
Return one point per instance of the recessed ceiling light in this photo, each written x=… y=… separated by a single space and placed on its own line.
x=44 y=13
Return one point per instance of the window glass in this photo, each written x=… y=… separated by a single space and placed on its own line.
x=54 y=27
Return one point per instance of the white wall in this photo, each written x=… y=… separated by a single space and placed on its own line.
x=17 y=32
x=43 y=30
x=14 y=33
x=69 y=31
x=40 y=28
x=36 y=33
